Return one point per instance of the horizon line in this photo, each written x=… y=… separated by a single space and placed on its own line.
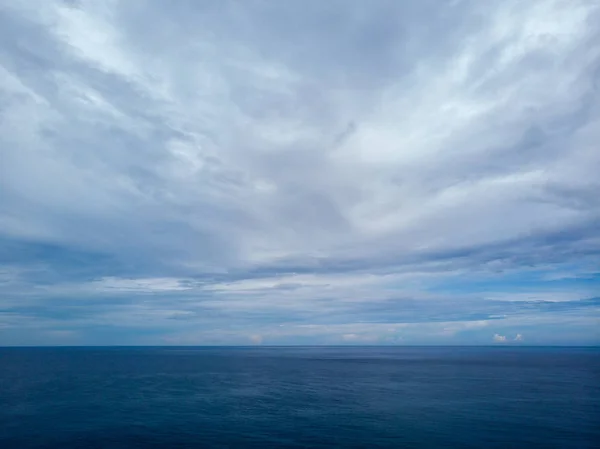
x=308 y=346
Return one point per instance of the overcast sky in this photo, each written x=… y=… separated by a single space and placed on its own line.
x=299 y=172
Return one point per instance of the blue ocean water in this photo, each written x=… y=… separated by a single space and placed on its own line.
x=401 y=397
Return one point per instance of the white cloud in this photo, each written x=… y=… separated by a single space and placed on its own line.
x=420 y=159
x=138 y=285
x=359 y=338
x=249 y=160
x=499 y=338
x=518 y=337
x=256 y=339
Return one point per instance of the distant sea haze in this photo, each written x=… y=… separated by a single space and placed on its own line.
x=299 y=397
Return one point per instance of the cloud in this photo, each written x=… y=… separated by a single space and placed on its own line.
x=265 y=163
x=360 y=338
x=499 y=338
x=256 y=339
x=503 y=339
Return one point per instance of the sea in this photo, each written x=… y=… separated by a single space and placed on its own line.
x=300 y=397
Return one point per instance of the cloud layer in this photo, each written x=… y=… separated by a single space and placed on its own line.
x=288 y=172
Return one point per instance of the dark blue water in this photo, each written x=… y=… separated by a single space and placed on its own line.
x=300 y=397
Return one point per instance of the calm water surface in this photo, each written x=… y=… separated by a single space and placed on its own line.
x=300 y=397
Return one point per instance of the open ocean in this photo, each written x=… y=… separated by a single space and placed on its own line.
x=368 y=397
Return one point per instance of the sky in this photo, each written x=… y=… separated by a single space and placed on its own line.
x=219 y=172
